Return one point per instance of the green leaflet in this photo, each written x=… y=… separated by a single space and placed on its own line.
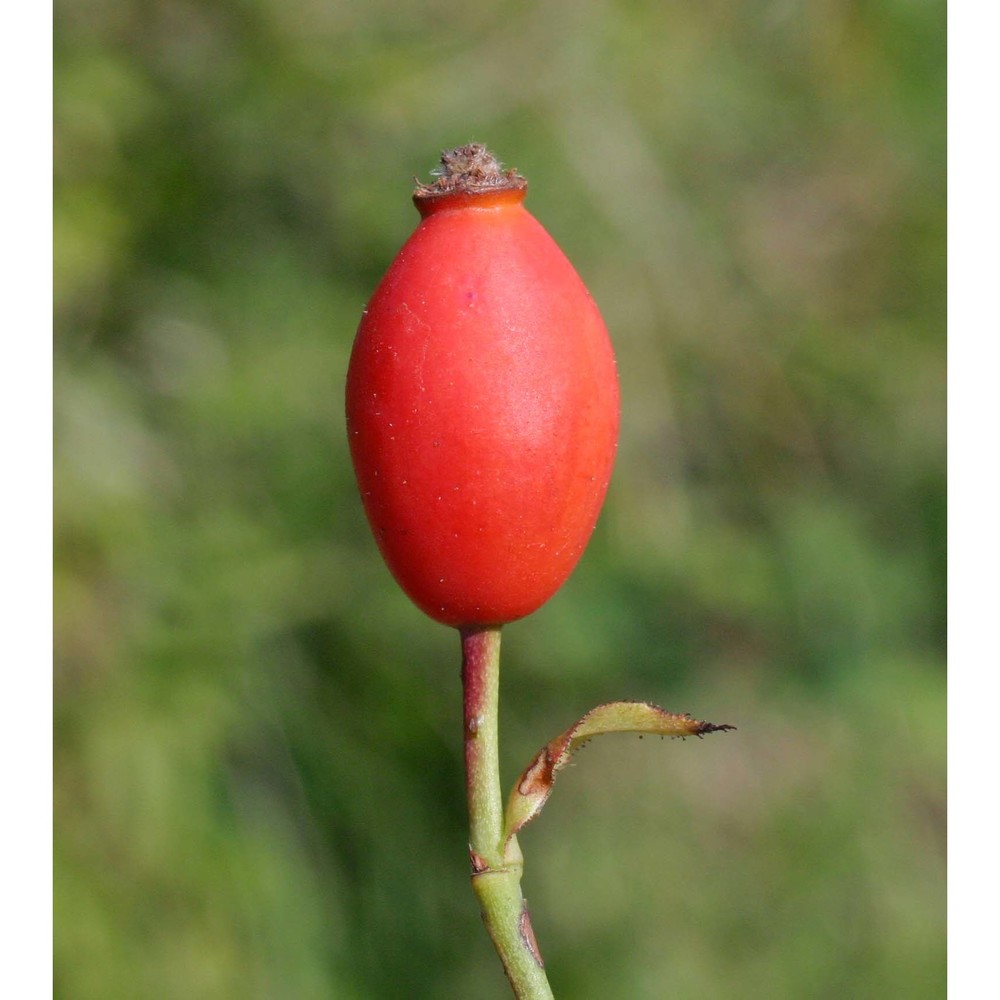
x=534 y=786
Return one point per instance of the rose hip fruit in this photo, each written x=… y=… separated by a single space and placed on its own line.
x=482 y=403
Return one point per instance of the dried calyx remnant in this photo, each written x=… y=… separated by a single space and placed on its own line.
x=469 y=168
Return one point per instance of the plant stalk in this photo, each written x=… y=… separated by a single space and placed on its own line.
x=496 y=872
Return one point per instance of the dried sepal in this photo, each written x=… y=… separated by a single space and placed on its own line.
x=467 y=170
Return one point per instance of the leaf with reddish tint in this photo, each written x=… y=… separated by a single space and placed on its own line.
x=534 y=786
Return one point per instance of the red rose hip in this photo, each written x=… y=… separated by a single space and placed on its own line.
x=482 y=403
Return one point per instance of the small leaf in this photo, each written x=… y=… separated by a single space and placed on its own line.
x=535 y=784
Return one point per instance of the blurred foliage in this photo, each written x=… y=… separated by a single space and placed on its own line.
x=258 y=783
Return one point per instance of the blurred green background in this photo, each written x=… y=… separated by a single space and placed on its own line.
x=258 y=784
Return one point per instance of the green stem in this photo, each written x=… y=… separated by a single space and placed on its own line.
x=496 y=872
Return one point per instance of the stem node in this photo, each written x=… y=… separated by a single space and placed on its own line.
x=496 y=858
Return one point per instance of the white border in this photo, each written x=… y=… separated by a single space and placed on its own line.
x=974 y=496
x=26 y=514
